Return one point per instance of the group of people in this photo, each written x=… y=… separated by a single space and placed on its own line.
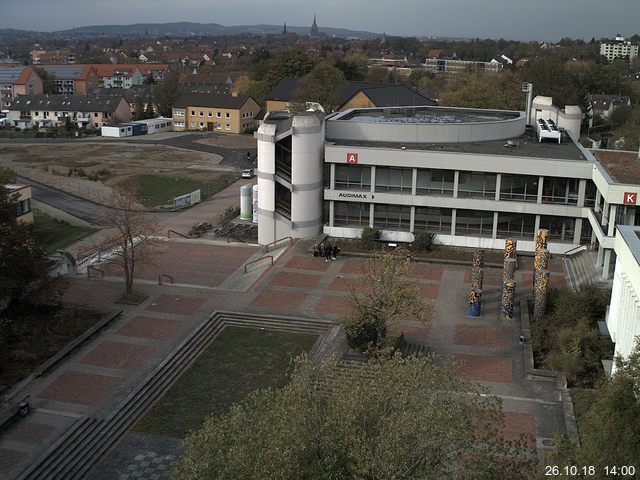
x=326 y=251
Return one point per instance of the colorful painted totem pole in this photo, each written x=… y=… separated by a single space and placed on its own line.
x=508 y=297
x=508 y=280
x=541 y=293
x=477 y=274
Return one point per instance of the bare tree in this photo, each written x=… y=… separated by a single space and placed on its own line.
x=129 y=238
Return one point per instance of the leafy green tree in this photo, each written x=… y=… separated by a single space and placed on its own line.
x=48 y=80
x=484 y=90
x=24 y=267
x=628 y=135
x=390 y=418
x=138 y=109
x=354 y=66
x=610 y=431
x=287 y=62
x=258 y=90
x=166 y=93
x=322 y=85
x=381 y=294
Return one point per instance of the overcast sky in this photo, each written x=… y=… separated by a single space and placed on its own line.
x=509 y=19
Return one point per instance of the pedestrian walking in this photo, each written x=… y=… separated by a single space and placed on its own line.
x=321 y=251
x=327 y=253
x=315 y=251
x=335 y=251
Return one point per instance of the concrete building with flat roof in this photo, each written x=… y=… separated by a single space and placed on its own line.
x=471 y=177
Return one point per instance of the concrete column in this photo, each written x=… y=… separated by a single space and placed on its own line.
x=412 y=218
x=373 y=179
x=331 y=212
x=498 y=183
x=494 y=232
x=596 y=207
x=453 y=221
x=414 y=183
x=577 y=231
x=540 y=186
x=605 y=214
x=371 y=213
x=607 y=262
x=536 y=225
x=456 y=178
x=612 y=220
x=582 y=189
x=600 y=256
x=332 y=179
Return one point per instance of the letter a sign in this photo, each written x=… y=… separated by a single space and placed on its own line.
x=352 y=158
x=630 y=198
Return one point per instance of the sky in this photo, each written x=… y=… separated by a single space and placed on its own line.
x=544 y=20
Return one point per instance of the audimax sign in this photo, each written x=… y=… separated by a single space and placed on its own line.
x=363 y=196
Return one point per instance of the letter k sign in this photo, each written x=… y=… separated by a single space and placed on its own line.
x=630 y=198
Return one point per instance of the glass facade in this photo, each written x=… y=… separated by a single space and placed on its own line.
x=431 y=219
x=560 y=190
x=351 y=214
x=391 y=217
x=516 y=225
x=477 y=223
x=392 y=179
x=435 y=182
x=352 y=177
x=477 y=185
x=561 y=229
x=521 y=188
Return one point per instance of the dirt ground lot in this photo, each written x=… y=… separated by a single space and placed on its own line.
x=51 y=164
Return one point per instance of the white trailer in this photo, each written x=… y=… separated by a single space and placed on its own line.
x=116 y=131
x=157 y=125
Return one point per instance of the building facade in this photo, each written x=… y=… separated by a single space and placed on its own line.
x=618 y=48
x=24 y=214
x=73 y=79
x=215 y=112
x=17 y=80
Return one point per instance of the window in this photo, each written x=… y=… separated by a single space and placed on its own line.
x=560 y=228
x=435 y=182
x=227 y=115
x=193 y=113
x=518 y=225
x=209 y=114
x=474 y=223
x=202 y=114
x=560 y=190
x=95 y=114
x=178 y=113
x=391 y=217
x=218 y=115
x=353 y=177
x=590 y=194
x=23 y=207
x=523 y=188
x=351 y=213
x=35 y=114
x=179 y=123
x=227 y=127
x=193 y=124
x=391 y=179
x=477 y=185
x=433 y=219
x=201 y=124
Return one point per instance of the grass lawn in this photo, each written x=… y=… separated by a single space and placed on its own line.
x=52 y=234
x=158 y=190
x=238 y=362
x=33 y=338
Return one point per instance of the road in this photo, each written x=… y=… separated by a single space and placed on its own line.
x=78 y=207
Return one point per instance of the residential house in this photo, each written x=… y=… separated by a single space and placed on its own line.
x=73 y=79
x=89 y=112
x=352 y=95
x=604 y=105
x=118 y=76
x=23 y=201
x=17 y=80
x=215 y=112
x=618 y=48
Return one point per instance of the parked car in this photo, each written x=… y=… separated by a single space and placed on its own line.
x=247 y=173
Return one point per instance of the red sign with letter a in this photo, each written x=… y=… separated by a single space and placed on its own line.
x=630 y=198
x=352 y=158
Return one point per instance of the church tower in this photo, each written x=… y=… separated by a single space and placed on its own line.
x=314 y=26
x=284 y=30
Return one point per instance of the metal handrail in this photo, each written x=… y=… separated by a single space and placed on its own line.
x=266 y=247
x=257 y=260
x=177 y=233
x=164 y=275
x=574 y=249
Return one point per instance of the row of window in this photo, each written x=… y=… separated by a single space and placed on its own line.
x=210 y=126
x=522 y=188
x=438 y=220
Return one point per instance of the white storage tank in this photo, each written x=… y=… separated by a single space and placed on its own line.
x=245 y=202
x=255 y=204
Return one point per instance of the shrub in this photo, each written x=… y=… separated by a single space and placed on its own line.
x=422 y=242
x=369 y=237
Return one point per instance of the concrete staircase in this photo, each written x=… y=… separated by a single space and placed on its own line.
x=89 y=438
x=581 y=270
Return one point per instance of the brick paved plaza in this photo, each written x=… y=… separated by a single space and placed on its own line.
x=96 y=378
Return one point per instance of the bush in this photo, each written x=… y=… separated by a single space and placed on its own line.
x=369 y=237
x=422 y=242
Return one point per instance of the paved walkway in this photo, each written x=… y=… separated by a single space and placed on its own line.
x=95 y=379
